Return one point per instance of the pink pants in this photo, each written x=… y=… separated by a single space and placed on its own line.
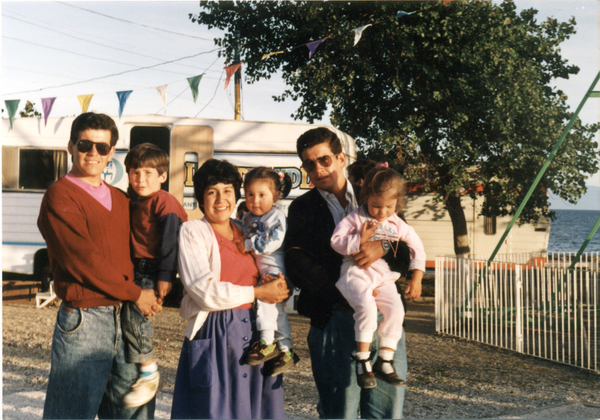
x=357 y=285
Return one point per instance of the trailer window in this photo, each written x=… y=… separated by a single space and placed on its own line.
x=38 y=169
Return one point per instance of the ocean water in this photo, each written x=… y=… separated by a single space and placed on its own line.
x=570 y=228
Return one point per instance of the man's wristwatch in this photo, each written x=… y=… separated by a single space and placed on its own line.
x=386 y=246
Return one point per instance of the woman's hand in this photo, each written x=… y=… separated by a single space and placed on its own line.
x=274 y=291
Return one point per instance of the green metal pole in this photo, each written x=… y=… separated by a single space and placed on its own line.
x=590 y=92
x=543 y=170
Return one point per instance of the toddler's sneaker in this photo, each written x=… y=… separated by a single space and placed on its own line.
x=391 y=378
x=142 y=391
x=364 y=373
x=260 y=352
x=284 y=361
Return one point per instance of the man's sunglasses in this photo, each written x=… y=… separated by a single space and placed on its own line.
x=324 y=161
x=85 y=146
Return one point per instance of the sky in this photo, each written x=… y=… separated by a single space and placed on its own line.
x=64 y=49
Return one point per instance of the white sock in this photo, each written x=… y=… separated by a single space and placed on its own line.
x=363 y=355
x=389 y=356
x=386 y=354
x=149 y=369
x=268 y=336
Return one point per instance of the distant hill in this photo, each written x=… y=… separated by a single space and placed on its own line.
x=589 y=201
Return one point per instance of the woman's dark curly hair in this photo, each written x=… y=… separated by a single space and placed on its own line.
x=213 y=172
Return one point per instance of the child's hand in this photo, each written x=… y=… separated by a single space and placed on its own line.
x=368 y=228
x=267 y=278
x=163 y=288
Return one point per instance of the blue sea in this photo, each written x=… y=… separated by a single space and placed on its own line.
x=570 y=228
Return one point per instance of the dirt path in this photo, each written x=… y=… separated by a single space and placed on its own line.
x=448 y=378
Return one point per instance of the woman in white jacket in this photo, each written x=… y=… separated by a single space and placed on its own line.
x=220 y=285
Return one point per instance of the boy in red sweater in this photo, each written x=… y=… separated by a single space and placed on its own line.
x=155 y=219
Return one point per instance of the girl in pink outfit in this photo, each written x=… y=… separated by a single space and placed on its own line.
x=374 y=288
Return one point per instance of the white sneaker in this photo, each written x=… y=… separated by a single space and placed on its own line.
x=142 y=391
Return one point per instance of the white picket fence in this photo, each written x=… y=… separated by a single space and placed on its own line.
x=531 y=304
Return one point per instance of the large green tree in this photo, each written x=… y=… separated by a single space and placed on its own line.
x=454 y=95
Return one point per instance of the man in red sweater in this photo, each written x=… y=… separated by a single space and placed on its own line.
x=85 y=223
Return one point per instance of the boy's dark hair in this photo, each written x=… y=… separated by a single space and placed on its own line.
x=279 y=183
x=93 y=121
x=317 y=136
x=147 y=155
x=360 y=168
x=213 y=172
x=381 y=179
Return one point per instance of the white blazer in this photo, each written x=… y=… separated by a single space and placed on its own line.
x=200 y=272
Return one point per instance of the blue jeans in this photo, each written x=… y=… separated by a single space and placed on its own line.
x=340 y=397
x=89 y=375
x=137 y=329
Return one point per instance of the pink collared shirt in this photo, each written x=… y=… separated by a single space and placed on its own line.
x=101 y=193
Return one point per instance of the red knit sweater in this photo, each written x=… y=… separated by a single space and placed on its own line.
x=88 y=246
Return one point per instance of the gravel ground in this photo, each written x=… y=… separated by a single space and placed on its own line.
x=448 y=378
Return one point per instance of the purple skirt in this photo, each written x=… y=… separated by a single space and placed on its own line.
x=213 y=383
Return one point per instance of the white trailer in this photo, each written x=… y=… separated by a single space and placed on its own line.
x=432 y=223
x=34 y=155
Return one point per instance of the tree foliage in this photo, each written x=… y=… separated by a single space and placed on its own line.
x=454 y=95
x=29 y=111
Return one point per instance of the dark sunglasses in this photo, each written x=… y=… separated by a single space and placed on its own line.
x=85 y=146
x=324 y=161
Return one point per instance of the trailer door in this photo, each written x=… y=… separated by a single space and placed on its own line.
x=159 y=136
x=191 y=146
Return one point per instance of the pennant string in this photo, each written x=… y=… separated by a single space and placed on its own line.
x=123 y=96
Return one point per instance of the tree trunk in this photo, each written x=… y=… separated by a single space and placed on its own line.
x=459 y=224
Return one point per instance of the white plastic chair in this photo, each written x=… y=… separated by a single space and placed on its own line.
x=44 y=298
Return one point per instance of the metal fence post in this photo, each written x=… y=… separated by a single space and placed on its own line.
x=519 y=308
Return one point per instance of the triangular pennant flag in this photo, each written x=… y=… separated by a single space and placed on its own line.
x=270 y=54
x=230 y=72
x=84 y=101
x=162 y=91
x=123 y=96
x=358 y=33
x=47 y=104
x=194 y=82
x=312 y=46
x=11 y=107
x=401 y=13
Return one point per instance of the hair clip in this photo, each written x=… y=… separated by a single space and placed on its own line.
x=385 y=165
x=281 y=174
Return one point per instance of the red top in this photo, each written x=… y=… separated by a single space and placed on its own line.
x=237 y=268
x=155 y=222
x=88 y=246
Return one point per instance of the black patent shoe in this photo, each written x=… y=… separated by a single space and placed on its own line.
x=364 y=374
x=391 y=378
